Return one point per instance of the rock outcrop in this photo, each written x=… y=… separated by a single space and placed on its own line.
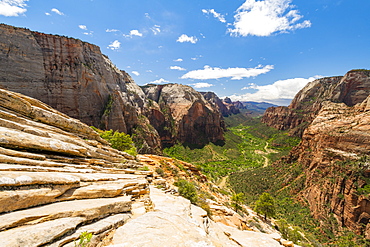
x=179 y=113
x=58 y=178
x=350 y=89
x=74 y=77
x=225 y=107
x=335 y=151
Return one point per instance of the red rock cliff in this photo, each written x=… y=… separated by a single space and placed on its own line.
x=75 y=78
x=335 y=151
x=350 y=89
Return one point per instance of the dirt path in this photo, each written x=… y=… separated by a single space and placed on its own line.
x=264 y=153
x=223 y=182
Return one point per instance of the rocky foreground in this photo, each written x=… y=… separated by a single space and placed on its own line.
x=58 y=178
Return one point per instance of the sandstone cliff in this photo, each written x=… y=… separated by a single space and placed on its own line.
x=335 y=151
x=181 y=114
x=350 y=89
x=58 y=179
x=75 y=78
x=225 y=107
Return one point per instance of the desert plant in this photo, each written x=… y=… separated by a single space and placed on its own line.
x=187 y=190
x=84 y=240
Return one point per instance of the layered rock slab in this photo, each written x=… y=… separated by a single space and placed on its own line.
x=176 y=222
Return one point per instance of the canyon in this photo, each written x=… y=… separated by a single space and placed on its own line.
x=332 y=116
x=74 y=77
x=60 y=179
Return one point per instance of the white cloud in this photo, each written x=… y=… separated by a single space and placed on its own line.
x=135 y=73
x=134 y=33
x=57 y=11
x=114 y=45
x=235 y=73
x=159 y=81
x=178 y=60
x=156 y=29
x=46 y=13
x=218 y=16
x=111 y=30
x=89 y=33
x=177 y=68
x=83 y=27
x=12 y=7
x=266 y=17
x=280 y=92
x=201 y=85
x=184 y=38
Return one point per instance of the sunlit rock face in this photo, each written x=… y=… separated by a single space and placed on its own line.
x=179 y=113
x=75 y=78
x=350 y=89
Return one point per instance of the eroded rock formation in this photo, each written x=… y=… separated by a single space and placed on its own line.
x=350 y=89
x=335 y=151
x=75 y=78
x=179 y=113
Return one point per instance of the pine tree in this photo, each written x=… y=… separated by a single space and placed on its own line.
x=265 y=205
x=237 y=199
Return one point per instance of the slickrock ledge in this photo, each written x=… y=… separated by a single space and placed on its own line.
x=58 y=178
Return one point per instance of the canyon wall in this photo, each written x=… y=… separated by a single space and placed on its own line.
x=350 y=89
x=181 y=114
x=75 y=78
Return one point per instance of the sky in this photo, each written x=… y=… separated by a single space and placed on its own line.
x=248 y=50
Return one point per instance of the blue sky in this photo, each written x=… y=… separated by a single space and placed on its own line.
x=250 y=50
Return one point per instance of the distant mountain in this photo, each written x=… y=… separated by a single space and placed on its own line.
x=258 y=107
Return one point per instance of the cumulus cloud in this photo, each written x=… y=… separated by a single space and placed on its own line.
x=114 y=45
x=159 y=81
x=235 y=73
x=184 y=38
x=201 y=85
x=83 y=27
x=218 y=16
x=178 y=60
x=156 y=29
x=266 y=17
x=177 y=68
x=133 y=33
x=280 y=92
x=135 y=73
x=57 y=11
x=12 y=7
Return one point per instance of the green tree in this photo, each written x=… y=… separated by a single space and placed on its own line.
x=265 y=205
x=237 y=199
x=118 y=140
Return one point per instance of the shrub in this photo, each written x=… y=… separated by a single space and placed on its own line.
x=118 y=140
x=160 y=171
x=187 y=190
x=84 y=240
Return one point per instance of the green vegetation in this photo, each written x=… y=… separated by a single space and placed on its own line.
x=265 y=205
x=195 y=196
x=245 y=147
x=187 y=190
x=118 y=140
x=84 y=239
x=237 y=200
